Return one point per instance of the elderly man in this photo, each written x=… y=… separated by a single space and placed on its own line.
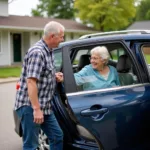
x=37 y=86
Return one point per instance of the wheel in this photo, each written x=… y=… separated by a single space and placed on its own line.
x=43 y=141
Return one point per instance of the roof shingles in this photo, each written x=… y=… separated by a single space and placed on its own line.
x=145 y=25
x=39 y=23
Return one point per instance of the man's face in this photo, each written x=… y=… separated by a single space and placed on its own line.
x=56 y=39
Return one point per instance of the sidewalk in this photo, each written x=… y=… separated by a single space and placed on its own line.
x=7 y=80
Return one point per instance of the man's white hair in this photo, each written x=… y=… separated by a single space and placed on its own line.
x=102 y=52
x=53 y=27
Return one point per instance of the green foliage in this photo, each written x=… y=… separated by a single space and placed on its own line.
x=143 y=10
x=55 y=9
x=10 y=72
x=148 y=15
x=105 y=15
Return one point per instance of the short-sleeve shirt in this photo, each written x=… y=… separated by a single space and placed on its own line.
x=38 y=63
x=90 y=78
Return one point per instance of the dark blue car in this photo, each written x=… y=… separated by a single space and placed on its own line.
x=116 y=118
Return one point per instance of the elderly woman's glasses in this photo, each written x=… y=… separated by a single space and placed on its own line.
x=94 y=58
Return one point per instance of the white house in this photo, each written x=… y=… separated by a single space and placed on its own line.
x=18 y=33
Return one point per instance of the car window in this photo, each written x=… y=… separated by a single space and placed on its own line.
x=116 y=53
x=58 y=59
x=78 y=54
x=120 y=67
x=146 y=53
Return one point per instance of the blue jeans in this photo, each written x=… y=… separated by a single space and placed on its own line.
x=30 y=129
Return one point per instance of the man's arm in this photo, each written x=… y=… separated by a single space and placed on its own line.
x=33 y=92
x=33 y=96
x=34 y=69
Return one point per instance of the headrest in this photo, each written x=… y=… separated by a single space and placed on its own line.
x=124 y=64
x=83 y=61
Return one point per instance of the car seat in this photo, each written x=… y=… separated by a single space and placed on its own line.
x=83 y=61
x=124 y=67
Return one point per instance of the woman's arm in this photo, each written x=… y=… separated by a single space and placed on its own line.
x=80 y=77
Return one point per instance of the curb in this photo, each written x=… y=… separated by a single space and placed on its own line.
x=8 y=80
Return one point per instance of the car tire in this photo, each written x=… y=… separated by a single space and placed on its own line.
x=43 y=141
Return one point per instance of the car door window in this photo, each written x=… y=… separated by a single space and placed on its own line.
x=116 y=53
x=77 y=57
x=119 y=62
x=146 y=53
x=58 y=59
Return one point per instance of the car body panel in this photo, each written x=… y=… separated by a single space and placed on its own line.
x=121 y=125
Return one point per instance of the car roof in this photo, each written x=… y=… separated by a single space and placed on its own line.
x=126 y=37
x=125 y=32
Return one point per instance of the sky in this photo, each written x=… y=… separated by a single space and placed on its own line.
x=22 y=7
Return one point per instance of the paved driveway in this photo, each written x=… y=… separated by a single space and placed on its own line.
x=8 y=138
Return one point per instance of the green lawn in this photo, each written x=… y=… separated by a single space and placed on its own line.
x=10 y=72
x=148 y=58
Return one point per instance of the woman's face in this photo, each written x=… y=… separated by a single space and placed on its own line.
x=96 y=61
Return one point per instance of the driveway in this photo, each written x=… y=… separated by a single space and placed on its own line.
x=9 y=140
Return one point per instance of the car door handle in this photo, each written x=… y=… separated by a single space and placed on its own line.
x=89 y=112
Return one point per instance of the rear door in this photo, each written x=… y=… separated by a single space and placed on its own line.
x=117 y=117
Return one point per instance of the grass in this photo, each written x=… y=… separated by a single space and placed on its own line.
x=148 y=59
x=10 y=72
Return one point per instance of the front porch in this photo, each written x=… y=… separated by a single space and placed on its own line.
x=14 y=44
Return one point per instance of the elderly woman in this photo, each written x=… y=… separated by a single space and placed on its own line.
x=98 y=74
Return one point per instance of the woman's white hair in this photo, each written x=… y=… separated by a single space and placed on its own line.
x=53 y=27
x=102 y=52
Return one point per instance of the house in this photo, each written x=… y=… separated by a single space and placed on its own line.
x=140 y=25
x=18 y=33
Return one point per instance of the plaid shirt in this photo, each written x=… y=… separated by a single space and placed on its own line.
x=38 y=63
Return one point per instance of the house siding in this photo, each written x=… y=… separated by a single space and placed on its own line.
x=35 y=36
x=26 y=42
x=28 y=39
x=5 y=49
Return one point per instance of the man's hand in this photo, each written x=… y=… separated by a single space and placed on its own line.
x=38 y=116
x=59 y=77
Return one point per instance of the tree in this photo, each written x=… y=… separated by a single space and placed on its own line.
x=55 y=9
x=106 y=15
x=143 y=10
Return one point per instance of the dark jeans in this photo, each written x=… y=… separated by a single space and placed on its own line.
x=50 y=127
